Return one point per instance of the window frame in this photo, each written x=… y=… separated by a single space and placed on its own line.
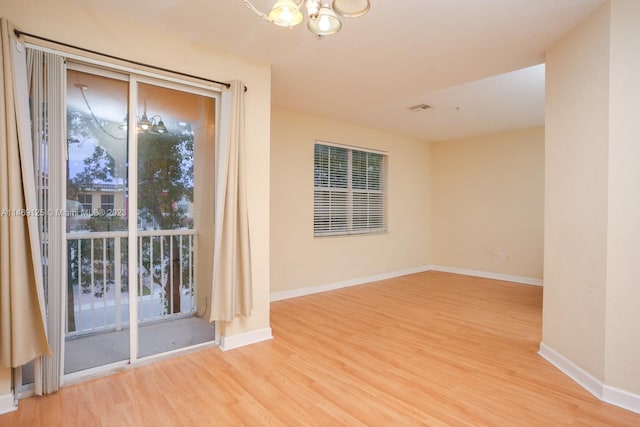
x=86 y=207
x=107 y=66
x=351 y=227
x=109 y=205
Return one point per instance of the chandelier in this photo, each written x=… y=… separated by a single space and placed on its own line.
x=145 y=124
x=322 y=14
x=153 y=125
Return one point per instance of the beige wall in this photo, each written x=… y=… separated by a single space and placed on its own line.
x=576 y=194
x=488 y=198
x=298 y=259
x=591 y=312
x=70 y=22
x=622 y=352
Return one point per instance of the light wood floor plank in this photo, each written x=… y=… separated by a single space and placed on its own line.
x=433 y=349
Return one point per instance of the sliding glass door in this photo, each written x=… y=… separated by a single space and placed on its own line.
x=173 y=135
x=139 y=217
x=97 y=313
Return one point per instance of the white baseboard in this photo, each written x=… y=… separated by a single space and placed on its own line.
x=573 y=371
x=621 y=398
x=310 y=290
x=7 y=403
x=246 y=338
x=488 y=275
x=615 y=396
x=300 y=292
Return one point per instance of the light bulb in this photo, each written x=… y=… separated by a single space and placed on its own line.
x=144 y=122
x=285 y=13
x=286 y=16
x=323 y=23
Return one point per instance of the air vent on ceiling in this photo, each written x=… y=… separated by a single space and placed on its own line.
x=420 y=107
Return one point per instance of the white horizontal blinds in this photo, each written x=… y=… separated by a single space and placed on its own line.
x=331 y=190
x=348 y=191
x=368 y=198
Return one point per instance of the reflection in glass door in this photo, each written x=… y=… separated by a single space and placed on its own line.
x=138 y=240
x=97 y=317
x=175 y=133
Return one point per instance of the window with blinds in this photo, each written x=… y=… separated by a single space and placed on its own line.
x=348 y=191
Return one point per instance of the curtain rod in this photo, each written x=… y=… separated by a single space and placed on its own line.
x=19 y=33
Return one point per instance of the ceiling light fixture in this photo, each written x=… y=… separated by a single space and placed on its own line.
x=157 y=125
x=145 y=124
x=322 y=14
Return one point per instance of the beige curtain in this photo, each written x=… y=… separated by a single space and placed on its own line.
x=22 y=331
x=232 y=293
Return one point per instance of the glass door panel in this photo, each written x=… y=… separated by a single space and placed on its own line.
x=175 y=140
x=97 y=321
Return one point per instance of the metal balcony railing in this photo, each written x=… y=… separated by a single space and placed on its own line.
x=98 y=285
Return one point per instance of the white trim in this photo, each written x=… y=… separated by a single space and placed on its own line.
x=132 y=224
x=350 y=147
x=621 y=398
x=606 y=393
x=487 y=275
x=98 y=59
x=573 y=371
x=27 y=390
x=95 y=70
x=246 y=338
x=7 y=403
x=310 y=290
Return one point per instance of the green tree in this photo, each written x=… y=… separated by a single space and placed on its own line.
x=165 y=177
x=98 y=168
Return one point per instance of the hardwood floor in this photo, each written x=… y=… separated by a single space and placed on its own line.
x=426 y=349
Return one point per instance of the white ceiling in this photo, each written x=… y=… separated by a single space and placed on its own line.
x=474 y=61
